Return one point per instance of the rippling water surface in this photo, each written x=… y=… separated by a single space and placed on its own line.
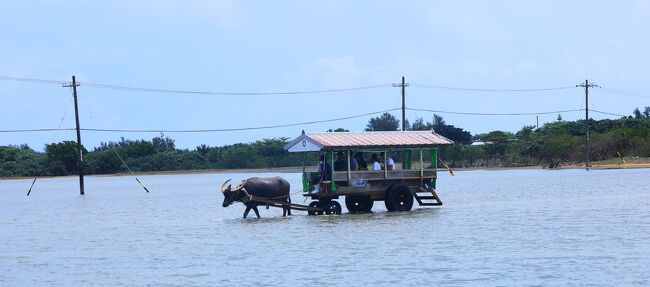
x=524 y=227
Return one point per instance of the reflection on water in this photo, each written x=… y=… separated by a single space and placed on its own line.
x=527 y=227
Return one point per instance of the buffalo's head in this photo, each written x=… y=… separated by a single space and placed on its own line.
x=232 y=194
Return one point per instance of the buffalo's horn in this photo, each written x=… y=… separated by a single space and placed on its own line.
x=240 y=185
x=223 y=186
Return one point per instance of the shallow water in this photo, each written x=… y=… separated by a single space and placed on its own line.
x=523 y=227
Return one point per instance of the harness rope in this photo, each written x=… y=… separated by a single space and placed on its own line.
x=261 y=197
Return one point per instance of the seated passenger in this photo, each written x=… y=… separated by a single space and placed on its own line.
x=390 y=163
x=354 y=165
x=362 y=165
x=375 y=162
x=341 y=163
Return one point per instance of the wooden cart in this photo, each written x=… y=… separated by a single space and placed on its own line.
x=414 y=178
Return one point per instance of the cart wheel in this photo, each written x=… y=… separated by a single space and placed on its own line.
x=352 y=203
x=367 y=207
x=332 y=208
x=314 y=204
x=399 y=198
x=358 y=204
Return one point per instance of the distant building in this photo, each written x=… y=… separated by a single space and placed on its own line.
x=476 y=143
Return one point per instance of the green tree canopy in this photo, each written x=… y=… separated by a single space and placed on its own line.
x=384 y=122
x=163 y=143
x=62 y=157
x=338 y=130
x=451 y=132
x=20 y=161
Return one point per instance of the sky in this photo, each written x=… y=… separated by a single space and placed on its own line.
x=283 y=46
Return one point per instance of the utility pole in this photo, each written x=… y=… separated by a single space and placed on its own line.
x=586 y=85
x=74 y=85
x=537 y=117
x=403 y=85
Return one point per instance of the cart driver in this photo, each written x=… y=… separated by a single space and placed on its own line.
x=324 y=173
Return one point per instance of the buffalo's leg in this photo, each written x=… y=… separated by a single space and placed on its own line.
x=248 y=208
x=286 y=209
x=289 y=208
x=256 y=211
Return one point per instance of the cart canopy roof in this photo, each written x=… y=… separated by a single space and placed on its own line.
x=365 y=140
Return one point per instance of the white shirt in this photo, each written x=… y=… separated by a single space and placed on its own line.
x=376 y=166
x=390 y=163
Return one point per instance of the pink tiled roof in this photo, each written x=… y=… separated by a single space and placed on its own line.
x=384 y=138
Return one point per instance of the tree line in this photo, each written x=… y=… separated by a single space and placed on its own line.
x=157 y=154
x=553 y=144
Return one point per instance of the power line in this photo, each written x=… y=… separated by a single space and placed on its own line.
x=31 y=80
x=154 y=90
x=490 y=90
x=303 y=123
x=606 y=113
x=36 y=130
x=202 y=130
x=166 y=91
x=237 y=129
x=171 y=91
x=494 y=114
x=613 y=91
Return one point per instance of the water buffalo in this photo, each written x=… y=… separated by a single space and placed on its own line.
x=274 y=188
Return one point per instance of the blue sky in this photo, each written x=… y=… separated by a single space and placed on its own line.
x=251 y=46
